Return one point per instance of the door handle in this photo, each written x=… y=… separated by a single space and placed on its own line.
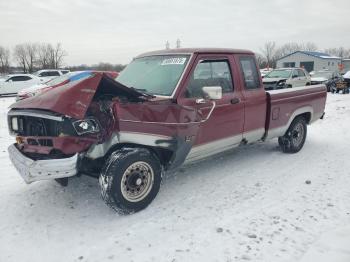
x=235 y=100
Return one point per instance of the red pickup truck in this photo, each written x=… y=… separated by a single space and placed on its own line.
x=166 y=108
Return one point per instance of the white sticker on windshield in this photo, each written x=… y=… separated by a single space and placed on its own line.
x=174 y=61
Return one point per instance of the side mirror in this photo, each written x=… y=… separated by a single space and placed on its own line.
x=294 y=76
x=213 y=92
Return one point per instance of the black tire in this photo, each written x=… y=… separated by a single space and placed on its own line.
x=294 y=139
x=331 y=87
x=123 y=182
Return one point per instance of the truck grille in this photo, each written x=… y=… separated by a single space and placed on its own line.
x=29 y=126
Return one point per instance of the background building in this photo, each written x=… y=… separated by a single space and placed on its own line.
x=311 y=61
x=346 y=65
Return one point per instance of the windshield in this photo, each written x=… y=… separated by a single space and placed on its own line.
x=327 y=75
x=154 y=75
x=279 y=74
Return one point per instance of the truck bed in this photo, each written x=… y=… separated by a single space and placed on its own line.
x=285 y=104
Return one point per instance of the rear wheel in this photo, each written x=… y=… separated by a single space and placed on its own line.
x=294 y=139
x=130 y=179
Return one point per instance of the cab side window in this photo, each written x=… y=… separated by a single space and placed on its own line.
x=19 y=78
x=301 y=73
x=43 y=74
x=210 y=73
x=53 y=73
x=250 y=72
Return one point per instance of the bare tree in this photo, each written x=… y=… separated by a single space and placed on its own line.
x=26 y=56
x=309 y=46
x=44 y=56
x=340 y=52
x=31 y=50
x=4 y=60
x=19 y=54
x=269 y=52
x=260 y=59
x=50 y=56
x=58 y=55
x=287 y=49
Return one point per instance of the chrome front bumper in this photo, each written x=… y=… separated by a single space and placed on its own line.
x=35 y=170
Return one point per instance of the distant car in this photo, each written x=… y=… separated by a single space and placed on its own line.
x=343 y=86
x=286 y=78
x=56 y=82
x=47 y=74
x=346 y=77
x=265 y=71
x=12 y=84
x=329 y=78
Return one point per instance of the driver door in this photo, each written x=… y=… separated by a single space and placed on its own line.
x=222 y=120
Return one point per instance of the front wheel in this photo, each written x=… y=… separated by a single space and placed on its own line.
x=130 y=179
x=294 y=139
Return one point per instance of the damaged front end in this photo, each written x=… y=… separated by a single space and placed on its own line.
x=54 y=129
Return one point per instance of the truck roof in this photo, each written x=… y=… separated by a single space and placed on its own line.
x=197 y=51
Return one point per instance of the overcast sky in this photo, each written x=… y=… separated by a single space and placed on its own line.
x=92 y=31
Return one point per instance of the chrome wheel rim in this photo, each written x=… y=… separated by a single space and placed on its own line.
x=137 y=181
x=298 y=134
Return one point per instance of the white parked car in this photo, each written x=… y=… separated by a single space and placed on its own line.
x=265 y=71
x=286 y=78
x=12 y=84
x=347 y=75
x=47 y=74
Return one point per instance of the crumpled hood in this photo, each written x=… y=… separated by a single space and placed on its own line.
x=270 y=80
x=319 y=79
x=74 y=98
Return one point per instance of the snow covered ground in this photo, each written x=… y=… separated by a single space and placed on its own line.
x=252 y=203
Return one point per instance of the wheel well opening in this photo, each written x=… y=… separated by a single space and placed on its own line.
x=306 y=116
x=164 y=155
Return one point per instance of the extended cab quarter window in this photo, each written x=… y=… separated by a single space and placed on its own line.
x=250 y=72
x=210 y=73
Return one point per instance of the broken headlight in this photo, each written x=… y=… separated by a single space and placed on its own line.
x=281 y=83
x=14 y=123
x=86 y=126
